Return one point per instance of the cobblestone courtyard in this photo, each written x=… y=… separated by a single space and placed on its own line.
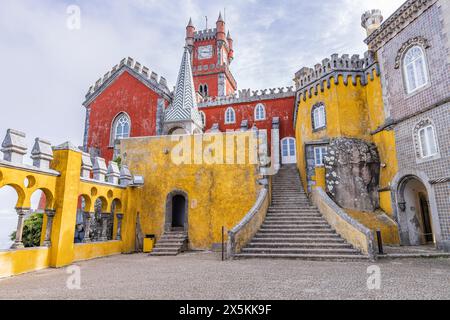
x=203 y=276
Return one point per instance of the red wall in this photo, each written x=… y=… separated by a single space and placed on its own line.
x=125 y=94
x=282 y=108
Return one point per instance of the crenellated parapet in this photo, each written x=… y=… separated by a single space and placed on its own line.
x=143 y=73
x=248 y=95
x=350 y=69
x=207 y=34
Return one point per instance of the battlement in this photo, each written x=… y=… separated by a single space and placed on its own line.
x=306 y=76
x=207 y=34
x=143 y=72
x=248 y=95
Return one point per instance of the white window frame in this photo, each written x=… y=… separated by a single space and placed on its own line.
x=230 y=111
x=323 y=152
x=319 y=117
x=414 y=64
x=114 y=127
x=427 y=142
x=203 y=116
x=260 y=112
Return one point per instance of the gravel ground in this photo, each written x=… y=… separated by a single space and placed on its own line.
x=203 y=276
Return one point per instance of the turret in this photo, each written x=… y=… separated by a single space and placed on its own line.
x=220 y=25
x=230 y=45
x=371 y=20
x=190 y=30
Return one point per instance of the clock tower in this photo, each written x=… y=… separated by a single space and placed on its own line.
x=212 y=53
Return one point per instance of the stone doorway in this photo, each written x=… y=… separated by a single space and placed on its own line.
x=177 y=211
x=414 y=214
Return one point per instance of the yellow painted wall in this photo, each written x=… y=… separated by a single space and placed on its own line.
x=62 y=188
x=14 y=262
x=218 y=194
x=87 y=251
x=354 y=112
x=378 y=221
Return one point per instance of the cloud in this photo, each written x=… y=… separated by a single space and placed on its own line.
x=48 y=68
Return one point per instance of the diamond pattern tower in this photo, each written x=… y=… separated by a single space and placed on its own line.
x=182 y=116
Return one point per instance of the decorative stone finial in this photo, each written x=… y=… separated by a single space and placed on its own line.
x=125 y=176
x=100 y=169
x=14 y=146
x=86 y=165
x=113 y=174
x=42 y=154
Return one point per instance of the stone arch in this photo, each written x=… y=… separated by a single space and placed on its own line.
x=104 y=203
x=87 y=203
x=177 y=130
x=21 y=195
x=400 y=187
x=170 y=209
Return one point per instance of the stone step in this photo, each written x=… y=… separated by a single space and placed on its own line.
x=298 y=240
x=296 y=245
x=309 y=257
x=317 y=236
x=322 y=226
x=286 y=224
x=295 y=220
x=296 y=231
x=300 y=251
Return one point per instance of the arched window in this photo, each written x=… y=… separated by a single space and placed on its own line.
x=415 y=69
x=318 y=117
x=260 y=112
x=203 y=90
x=427 y=147
x=121 y=127
x=203 y=115
x=230 y=116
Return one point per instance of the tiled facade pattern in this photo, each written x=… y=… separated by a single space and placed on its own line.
x=431 y=102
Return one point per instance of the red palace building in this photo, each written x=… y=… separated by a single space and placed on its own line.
x=131 y=101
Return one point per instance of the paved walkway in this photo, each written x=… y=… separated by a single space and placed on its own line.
x=203 y=276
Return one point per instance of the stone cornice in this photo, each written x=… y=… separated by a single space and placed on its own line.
x=404 y=15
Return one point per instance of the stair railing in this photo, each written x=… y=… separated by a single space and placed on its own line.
x=243 y=233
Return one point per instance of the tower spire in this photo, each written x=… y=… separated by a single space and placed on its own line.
x=183 y=112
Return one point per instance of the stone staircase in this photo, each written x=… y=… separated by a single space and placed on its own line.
x=294 y=229
x=171 y=243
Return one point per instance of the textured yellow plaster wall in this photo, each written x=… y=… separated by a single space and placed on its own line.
x=218 y=194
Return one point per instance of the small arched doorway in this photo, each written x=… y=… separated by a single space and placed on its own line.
x=177 y=211
x=415 y=215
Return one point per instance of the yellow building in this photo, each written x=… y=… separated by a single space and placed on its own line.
x=338 y=110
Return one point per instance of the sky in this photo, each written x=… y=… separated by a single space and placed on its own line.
x=48 y=65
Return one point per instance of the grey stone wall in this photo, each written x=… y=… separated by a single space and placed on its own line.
x=428 y=104
x=434 y=169
x=429 y=26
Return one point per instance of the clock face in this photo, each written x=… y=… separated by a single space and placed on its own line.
x=205 y=52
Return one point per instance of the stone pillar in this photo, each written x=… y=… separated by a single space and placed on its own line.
x=87 y=226
x=21 y=212
x=119 y=226
x=50 y=213
x=103 y=236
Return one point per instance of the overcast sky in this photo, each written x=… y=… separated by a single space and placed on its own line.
x=47 y=68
